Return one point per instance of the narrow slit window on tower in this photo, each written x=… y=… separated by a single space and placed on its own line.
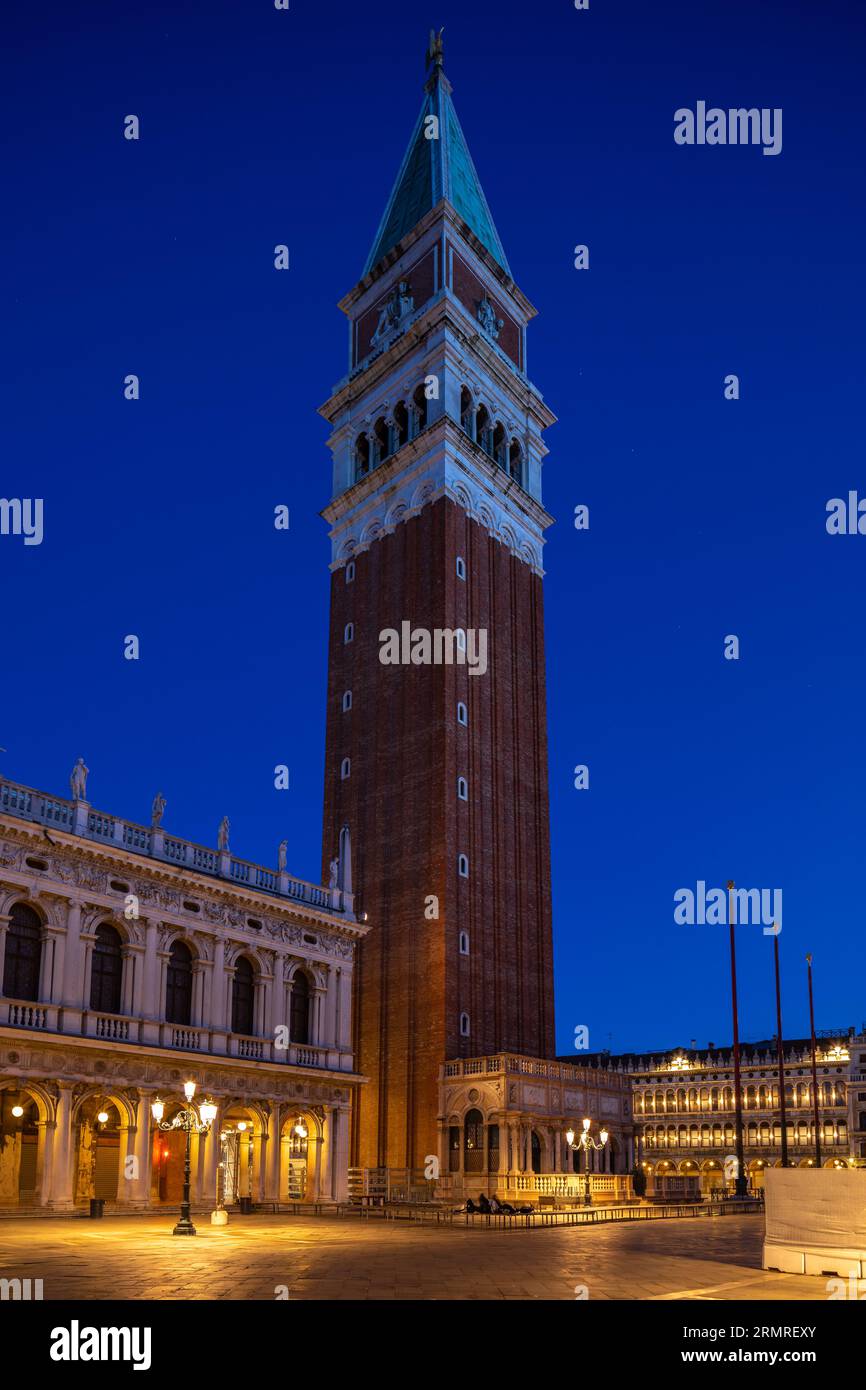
x=348 y=632
x=461 y=567
x=464 y=1025
x=345 y=768
x=460 y=639
x=464 y=943
x=463 y=865
x=347 y=700
x=462 y=789
x=462 y=713
x=350 y=572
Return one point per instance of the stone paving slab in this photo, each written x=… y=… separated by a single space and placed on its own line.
x=327 y=1258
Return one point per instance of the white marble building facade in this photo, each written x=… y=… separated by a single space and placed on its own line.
x=503 y=1123
x=132 y=962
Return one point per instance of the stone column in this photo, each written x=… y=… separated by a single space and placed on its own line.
x=59 y=1196
x=339 y=1154
x=277 y=1017
x=5 y=919
x=316 y=1021
x=330 y=1027
x=197 y=1013
x=150 y=978
x=326 y=1163
x=345 y=1038
x=272 y=1155
x=141 y=1150
x=218 y=1011
x=209 y=1149
x=131 y=970
x=317 y=1166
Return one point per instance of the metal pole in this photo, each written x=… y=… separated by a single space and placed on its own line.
x=184 y=1226
x=781 y=1052
x=814 y=1070
x=740 y=1180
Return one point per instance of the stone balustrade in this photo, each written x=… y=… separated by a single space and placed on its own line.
x=80 y=819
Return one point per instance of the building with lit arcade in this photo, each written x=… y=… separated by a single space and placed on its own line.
x=133 y=961
x=684 y=1113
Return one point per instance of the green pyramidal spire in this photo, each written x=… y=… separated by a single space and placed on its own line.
x=436 y=165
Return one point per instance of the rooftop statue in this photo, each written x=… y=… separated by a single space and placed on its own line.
x=223 y=834
x=78 y=780
x=156 y=810
x=435 y=49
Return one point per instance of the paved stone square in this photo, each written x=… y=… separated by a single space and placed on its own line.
x=351 y=1258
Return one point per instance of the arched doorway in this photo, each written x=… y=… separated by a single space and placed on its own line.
x=473 y=1142
x=168 y=1158
x=298 y=1140
x=19 y=1148
x=238 y=1168
x=97 y=1149
x=535 y=1147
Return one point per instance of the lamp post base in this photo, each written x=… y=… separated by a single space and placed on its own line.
x=184 y=1227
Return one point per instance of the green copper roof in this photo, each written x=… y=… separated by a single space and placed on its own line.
x=435 y=169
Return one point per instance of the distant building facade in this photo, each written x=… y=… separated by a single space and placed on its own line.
x=683 y=1103
x=132 y=961
x=857 y=1095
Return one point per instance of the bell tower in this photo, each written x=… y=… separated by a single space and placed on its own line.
x=436 y=758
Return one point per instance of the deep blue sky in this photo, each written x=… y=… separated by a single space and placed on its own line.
x=707 y=516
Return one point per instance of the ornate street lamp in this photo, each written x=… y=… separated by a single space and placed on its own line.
x=189 y=1121
x=586 y=1142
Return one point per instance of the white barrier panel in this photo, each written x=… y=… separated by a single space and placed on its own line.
x=815 y=1220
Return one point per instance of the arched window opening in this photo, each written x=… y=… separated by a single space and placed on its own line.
x=350 y=572
x=362 y=456
x=419 y=414
x=299 y=1013
x=23 y=954
x=467 y=412
x=348 y=633
x=461 y=567
x=484 y=429
x=515 y=462
x=243 y=997
x=463 y=865
x=464 y=943
x=500 y=446
x=473 y=1142
x=462 y=713
x=345 y=769
x=106 y=970
x=347 y=700
x=379 y=449
x=535 y=1146
x=464 y=1025
x=462 y=789
x=453 y=1148
x=178 y=988
x=401 y=424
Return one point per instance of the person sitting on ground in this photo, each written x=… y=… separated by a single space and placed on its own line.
x=484 y=1203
